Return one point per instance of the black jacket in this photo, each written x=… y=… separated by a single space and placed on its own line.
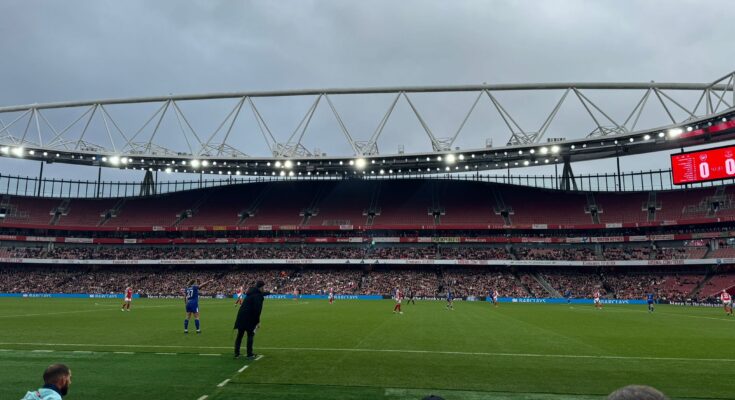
x=249 y=315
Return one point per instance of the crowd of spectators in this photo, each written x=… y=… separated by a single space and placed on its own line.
x=558 y=254
x=354 y=251
x=422 y=282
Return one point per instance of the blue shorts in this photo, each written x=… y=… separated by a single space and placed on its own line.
x=650 y=301
x=192 y=307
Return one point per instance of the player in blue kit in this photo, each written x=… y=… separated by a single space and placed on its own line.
x=450 y=300
x=191 y=298
x=650 y=300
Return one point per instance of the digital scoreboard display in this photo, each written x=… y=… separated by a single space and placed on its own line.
x=704 y=165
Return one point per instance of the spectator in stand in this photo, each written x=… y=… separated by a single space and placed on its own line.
x=56 y=379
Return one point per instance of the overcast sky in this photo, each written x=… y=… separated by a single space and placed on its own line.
x=77 y=50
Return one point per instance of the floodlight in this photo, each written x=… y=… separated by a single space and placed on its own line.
x=675 y=132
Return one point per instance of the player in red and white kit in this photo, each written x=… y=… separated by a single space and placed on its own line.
x=495 y=297
x=398 y=297
x=331 y=295
x=598 y=302
x=240 y=296
x=128 y=298
x=726 y=302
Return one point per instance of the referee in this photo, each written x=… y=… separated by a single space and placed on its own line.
x=248 y=317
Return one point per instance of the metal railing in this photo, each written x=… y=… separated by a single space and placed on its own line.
x=656 y=180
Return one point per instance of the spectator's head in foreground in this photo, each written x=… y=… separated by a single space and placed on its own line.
x=637 y=392
x=259 y=284
x=58 y=375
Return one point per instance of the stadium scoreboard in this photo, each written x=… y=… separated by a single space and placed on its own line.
x=703 y=165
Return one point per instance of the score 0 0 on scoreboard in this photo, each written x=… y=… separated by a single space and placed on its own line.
x=703 y=165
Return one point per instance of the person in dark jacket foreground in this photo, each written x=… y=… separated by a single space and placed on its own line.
x=248 y=317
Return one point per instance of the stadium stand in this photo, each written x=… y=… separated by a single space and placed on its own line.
x=389 y=203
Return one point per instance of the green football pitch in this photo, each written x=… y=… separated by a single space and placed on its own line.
x=361 y=350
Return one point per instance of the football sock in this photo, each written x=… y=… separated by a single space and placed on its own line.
x=196 y=322
x=186 y=324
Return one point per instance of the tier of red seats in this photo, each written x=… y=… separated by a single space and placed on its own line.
x=395 y=202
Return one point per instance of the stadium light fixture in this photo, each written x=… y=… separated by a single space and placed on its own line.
x=461 y=157
x=382 y=171
x=205 y=163
x=278 y=164
x=526 y=163
x=544 y=150
x=290 y=173
x=450 y=158
x=237 y=172
x=104 y=159
x=532 y=151
x=45 y=153
x=124 y=160
x=675 y=132
x=520 y=152
x=573 y=147
x=5 y=149
x=288 y=164
x=17 y=151
x=195 y=163
x=168 y=170
x=114 y=160
x=631 y=140
x=689 y=129
x=646 y=137
x=360 y=163
x=31 y=152
x=661 y=134
x=554 y=149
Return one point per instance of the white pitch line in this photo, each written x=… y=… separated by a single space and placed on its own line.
x=239 y=371
x=82 y=352
x=258 y=357
x=42 y=351
x=223 y=383
x=400 y=351
x=123 y=352
x=165 y=354
x=203 y=397
x=210 y=354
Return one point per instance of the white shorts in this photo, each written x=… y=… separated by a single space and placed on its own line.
x=727 y=303
x=128 y=299
x=597 y=301
x=398 y=301
x=495 y=299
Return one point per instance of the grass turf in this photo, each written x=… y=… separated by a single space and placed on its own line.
x=360 y=350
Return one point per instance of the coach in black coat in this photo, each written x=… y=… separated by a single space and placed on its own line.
x=248 y=317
